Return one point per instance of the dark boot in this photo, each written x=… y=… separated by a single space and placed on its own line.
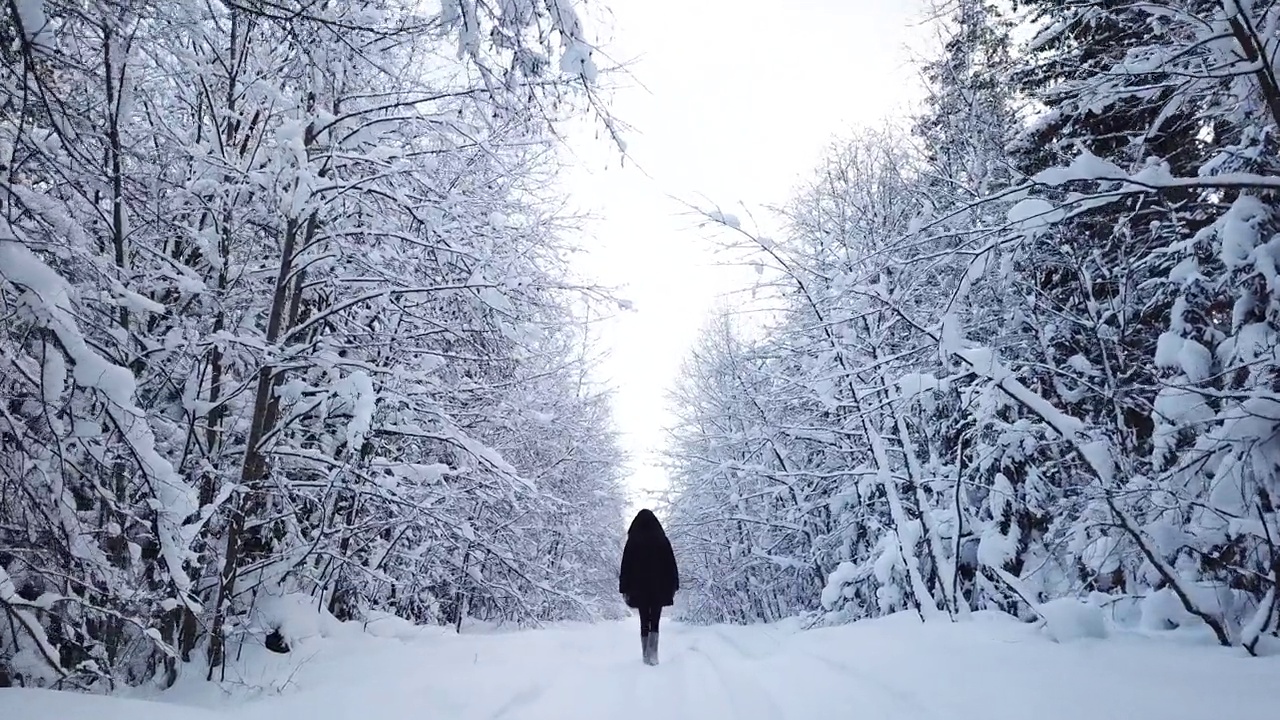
x=653 y=648
x=644 y=648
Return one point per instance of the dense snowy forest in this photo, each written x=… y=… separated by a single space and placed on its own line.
x=1022 y=350
x=288 y=315
x=286 y=308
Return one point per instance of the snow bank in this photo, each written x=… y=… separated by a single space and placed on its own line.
x=322 y=651
x=1071 y=619
x=297 y=617
x=386 y=625
x=28 y=704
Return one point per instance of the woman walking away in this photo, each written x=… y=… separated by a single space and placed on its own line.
x=649 y=578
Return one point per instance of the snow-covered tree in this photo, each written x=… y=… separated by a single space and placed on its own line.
x=285 y=311
x=1032 y=359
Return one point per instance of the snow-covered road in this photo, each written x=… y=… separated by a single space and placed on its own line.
x=890 y=669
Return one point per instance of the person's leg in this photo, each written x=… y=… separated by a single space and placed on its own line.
x=655 y=614
x=645 y=619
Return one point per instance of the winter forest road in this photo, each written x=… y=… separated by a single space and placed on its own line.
x=992 y=668
x=591 y=672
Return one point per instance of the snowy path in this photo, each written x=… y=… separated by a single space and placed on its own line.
x=892 y=669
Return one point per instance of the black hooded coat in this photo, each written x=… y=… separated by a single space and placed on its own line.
x=649 y=576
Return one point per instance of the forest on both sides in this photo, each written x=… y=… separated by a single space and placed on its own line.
x=287 y=310
x=1018 y=354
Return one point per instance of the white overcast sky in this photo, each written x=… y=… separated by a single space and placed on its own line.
x=733 y=101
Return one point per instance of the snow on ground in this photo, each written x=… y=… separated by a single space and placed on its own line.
x=991 y=667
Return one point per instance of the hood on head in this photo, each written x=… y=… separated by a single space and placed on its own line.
x=645 y=523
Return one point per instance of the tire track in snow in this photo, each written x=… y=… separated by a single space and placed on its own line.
x=840 y=673
x=525 y=701
x=753 y=653
x=744 y=693
x=520 y=700
x=904 y=699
